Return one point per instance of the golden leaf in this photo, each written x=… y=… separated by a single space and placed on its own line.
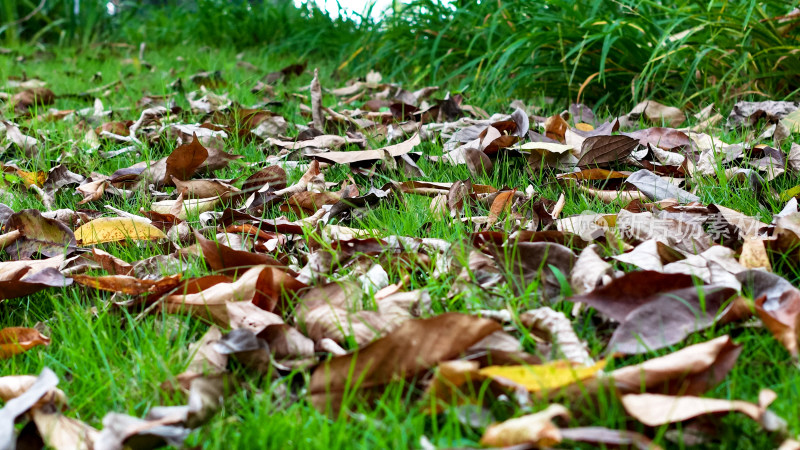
x=542 y=377
x=112 y=229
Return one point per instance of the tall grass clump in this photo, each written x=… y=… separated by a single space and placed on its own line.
x=597 y=51
x=276 y=26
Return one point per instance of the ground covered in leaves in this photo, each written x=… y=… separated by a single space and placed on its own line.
x=228 y=251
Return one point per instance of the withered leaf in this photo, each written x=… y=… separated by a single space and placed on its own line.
x=20 y=404
x=626 y=293
x=478 y=162
x=184 y=161
x=224 y=259
x=536 y=261
x=48 y=237
x=690 y=371
x=129 y=285
x=415 y=346
x=533 y=429
x=667 y=318
x=600 y=150
x=607 y=436
x=25 y=281
x=655 y=410
x=16 y=340
x=274 y=176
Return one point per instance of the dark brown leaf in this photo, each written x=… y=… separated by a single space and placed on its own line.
x=632 y=290
x=226 y=260
x=414 y=347
x=598 y=150
x=184 y=161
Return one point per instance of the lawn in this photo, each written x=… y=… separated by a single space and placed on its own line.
x=122 y=353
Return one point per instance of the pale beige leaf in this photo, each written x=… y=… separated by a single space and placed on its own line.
x=64 y=433
x=534 y=429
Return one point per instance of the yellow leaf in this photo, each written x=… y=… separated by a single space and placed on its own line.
x=112 y=229
x=549 y=376
x=31 y=178
x=792 y=121
x=584 y=126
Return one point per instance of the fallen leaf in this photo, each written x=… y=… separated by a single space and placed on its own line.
x=608 y=437
x=416 y=346
x=28 y=278
x=128 y=284
x=692 y=370
x=555 y=126
x=600 y=150
x=667 y=318
x=656 y=112
x=185 y=160
x=22 y=403
x=655 y=410
x=783 y=321
x=48 y=237
x=16 y=340
x=754 y=255
x=113 y=229
x=543 y=377
x=656 y=188
x=632 y=290
x=224 y=259
x=533 y=429
x=63 y=433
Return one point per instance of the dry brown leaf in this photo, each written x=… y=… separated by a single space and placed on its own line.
x=533 y=429
x=601 y=150
x=212 y=303
x=590 y=271
x=361 y=156
x=783 y=321
x=20 y=278
x=501 y=204
x=667 y=318
x=416 y=346
x=478 y=162
x=555 y=127
x=273 y=176
x=204 y=188
x=224 y=259
x=184 y=161
x=129 y=285
x=692 y=370
x=623 y=295
x=16 y=340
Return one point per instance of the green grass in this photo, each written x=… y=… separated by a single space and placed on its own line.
x=111 y=360
x=686 y=52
